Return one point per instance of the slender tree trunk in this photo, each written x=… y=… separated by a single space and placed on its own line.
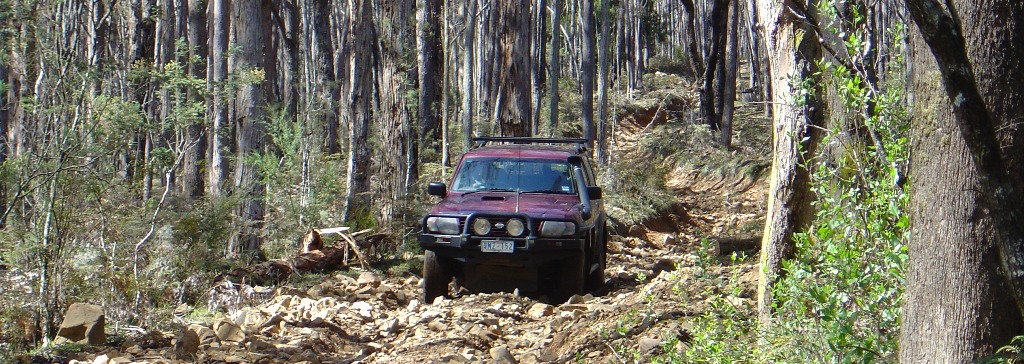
x=729 y=91
x=556 y=62
x=430 y=57
x=192 y=178
x=696 y=61
x=164 y=47
x=539 y=50
x=322 y=71
x=756 y=45
x=710 y=94
x=791 y=56
x=250 y=25
x=602 y=85
x=357 y=88
x=587 y=78
x=965 y=267
x=216 y=74
x=468 y=76
x=4 y=109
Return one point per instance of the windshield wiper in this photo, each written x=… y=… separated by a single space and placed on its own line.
x=490 y=190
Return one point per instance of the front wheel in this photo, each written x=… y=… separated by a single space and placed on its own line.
x=570 y=279
x=596 y=277
x=437 y=273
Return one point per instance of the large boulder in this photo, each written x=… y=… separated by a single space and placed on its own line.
x=83 y=324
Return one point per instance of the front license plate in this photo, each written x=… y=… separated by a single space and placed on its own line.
x=497 y=246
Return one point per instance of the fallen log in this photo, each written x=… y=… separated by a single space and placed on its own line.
x=313 y=257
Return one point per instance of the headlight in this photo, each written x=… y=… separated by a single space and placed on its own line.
x=515 y=227
x=481 y=226
x=443 y=225
x=557 y=228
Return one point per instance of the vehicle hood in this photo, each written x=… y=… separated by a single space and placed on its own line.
x=545 y=206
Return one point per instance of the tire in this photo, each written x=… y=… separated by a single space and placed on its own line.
x=595 y=279
x=570 y=278
x=437 y=273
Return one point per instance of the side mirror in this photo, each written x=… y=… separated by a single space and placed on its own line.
x=437 y=189
x=594 y=192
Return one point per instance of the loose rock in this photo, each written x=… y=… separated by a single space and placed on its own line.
x=501 y=355
x=540 y=310
x=83 y=324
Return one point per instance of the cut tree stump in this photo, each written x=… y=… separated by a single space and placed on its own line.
x=313 y=257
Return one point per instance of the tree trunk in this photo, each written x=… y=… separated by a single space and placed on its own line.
x=757 y=60
x=603 y=151
x=587 y=77
x=192 y=178
x=556 y=62
x=696 y=62
x=539 y=51
x=250 y=25
x=357 y=88
x=468 y=76
x=3 y=133
x=729 y=90
x=710 y=94
x=511 y=39
x=430 y=58
x=791 y=55
x=321 y=72
x=964 y=277
x=216 y=75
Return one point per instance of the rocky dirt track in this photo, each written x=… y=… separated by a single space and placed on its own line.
x=375 y=319
x=659 y=276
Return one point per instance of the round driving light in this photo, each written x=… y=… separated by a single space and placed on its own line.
x=515 y=227
x=481 y=226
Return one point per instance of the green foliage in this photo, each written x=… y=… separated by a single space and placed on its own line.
x=726 y=331
x=304 y=190
x=1009 y=354
x=674 y=64
x=639 y=191
x=840 y=297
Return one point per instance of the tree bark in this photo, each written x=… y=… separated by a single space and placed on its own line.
x=556 y=62
x=966 y=247
x=430 y=58
x=4 y=109
x=603 y=152
x=192 y=179
x=729 y=90
x=757 y=60
x=511 y=39
x=587 y=68
x=696 y=61
x=216 y=75
x=791 y=55
x=357 y=92
x=468 y=60
x=250 y=26
x=710 y=93
x=539 y=56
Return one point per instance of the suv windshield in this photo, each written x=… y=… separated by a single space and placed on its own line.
x=507 y=174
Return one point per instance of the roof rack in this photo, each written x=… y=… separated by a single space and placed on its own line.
x=581 y=144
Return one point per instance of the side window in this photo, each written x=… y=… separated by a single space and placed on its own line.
x=588 y=173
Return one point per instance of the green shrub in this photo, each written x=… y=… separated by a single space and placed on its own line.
x=840 y=296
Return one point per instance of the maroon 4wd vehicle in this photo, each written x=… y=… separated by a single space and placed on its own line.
x=521 y=213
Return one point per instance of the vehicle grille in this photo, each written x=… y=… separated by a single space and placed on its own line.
x=500 y=232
